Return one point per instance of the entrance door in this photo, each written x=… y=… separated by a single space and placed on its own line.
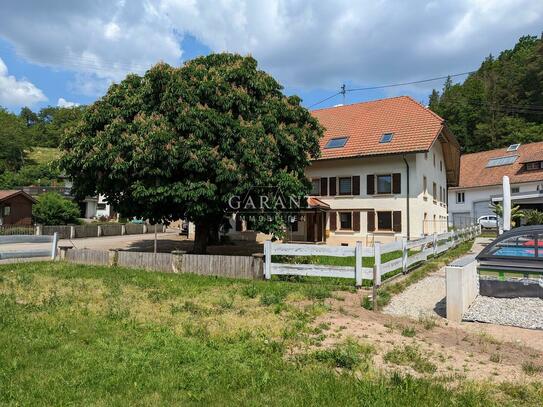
x=315 y=226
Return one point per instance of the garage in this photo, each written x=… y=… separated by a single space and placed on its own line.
x=461 y=219
x=482 y=209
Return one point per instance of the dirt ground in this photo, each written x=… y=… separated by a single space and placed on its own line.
x=471 y=350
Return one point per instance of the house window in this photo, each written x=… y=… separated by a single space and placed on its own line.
x=533 y=166
x=337 y=142
x=346 y=220
x=315 y=187
x=460 y=198
x=441 y=166
x=440 y=194
x=384 y=220
x=7 y=210
x=434 y=159
x=384 y=184
x=424 y=185
x=426 y=155
x=434 y=190
x=101 y=206
x=386 y=138
x=345 y=186
x=515 y=190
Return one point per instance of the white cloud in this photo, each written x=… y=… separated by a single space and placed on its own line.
x=17 y=92
x=64 y=103
x=304 y=43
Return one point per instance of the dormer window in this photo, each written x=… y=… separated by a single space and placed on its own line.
x=336 y=142
x=536 y=165
x=386 y=138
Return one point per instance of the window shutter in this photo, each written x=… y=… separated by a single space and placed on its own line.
x=371 y=221
x=324 y=186
x=356 y=185
x=397 y=221
x=333 y=181
x=397 y=183
x=356 y=221
x=238 y=223
x=333 y=221
x=371 y=184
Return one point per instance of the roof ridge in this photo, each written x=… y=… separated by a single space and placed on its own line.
x=362 y=103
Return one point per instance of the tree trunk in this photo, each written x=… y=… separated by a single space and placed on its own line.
x=201 y=236
x=214 y=238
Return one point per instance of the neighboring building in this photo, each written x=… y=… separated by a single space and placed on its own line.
x=96 y=207
x=15 y=207
x=481 y=180
x=383 y=174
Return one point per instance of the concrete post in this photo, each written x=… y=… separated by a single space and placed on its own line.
x=144 y=228
x=113 y=257
x=267 y=258
x=177 y=260
x=38 y=230
x=405 y=253
x=377 y=267
x=258 y=266
x=462 y=284
x=123 y=230
x=435 y=244
x=63 y=251
x=358 y=264
x=72 y=232
x=99 y=233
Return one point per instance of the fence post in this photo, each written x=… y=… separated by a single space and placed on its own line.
x=358 y=264
x=54 y=248
x=113 y=257
x=99 y=231
x=144 y=228
x=404 y=255
x=72 y=232
x=435 y=244
x=177 y=260
x=258 y=266
x=38 y=230
x=267 y=259
x=123 y=230
x=377 y=267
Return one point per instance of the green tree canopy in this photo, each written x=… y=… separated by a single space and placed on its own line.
x=179 y=142
x=12 y=141
x=501 y=103
x=53 y=209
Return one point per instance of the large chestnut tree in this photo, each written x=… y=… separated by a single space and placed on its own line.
x=179 y=142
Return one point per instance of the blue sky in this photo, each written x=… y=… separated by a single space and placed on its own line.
x=66 y=52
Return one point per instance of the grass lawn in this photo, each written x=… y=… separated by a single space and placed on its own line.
x=72 y=334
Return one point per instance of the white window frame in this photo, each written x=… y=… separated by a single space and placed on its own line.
x=463 y=200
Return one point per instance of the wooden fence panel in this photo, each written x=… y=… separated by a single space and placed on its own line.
x=86 y=231
x=216 y=265
x=147 y=261
x=62 y=231
x=134 y=228
x=88 y=256
x=114 y=229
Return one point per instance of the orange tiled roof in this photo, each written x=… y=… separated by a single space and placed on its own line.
x=474 y=173
x=414 y=126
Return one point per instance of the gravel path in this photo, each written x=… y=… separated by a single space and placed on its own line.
x=521 y=312
x=424 y=298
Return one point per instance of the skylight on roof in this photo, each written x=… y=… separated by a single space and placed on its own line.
x=499 y=161
x=386 y=138
x=513 y=147
x=337 y=142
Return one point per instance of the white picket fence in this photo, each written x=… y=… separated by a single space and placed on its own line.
x=23 y=252
x=431 y=245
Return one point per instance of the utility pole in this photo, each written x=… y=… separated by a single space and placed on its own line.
x=343 y=91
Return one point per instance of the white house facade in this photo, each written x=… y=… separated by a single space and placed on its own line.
x=383 y=174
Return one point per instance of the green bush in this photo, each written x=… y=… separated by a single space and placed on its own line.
x=53 y=209
x=533 y=217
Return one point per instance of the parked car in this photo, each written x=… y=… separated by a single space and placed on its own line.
x=488 y=221
x=519 y=249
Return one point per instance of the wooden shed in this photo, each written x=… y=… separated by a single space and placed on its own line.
x=15 y=207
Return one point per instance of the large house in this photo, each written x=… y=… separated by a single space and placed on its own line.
x=481 y=181
x=383 y=174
